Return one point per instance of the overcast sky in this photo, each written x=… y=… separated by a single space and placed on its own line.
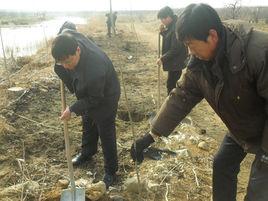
x=103 y=5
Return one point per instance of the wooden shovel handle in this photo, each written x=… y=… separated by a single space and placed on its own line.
x=66 y=138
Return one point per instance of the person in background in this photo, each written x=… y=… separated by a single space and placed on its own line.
x=114 y=18
x=88 y=73
x=231 y=72
x=109 y=24
x=174 y=53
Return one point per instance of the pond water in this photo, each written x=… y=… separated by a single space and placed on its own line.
x=26 y=40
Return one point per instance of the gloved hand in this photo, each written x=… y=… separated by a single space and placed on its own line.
x=139 y=145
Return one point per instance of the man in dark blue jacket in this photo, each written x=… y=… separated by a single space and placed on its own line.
x=88 y=73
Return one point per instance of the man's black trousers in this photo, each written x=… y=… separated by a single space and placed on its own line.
x=226 y=166
x=105 y=130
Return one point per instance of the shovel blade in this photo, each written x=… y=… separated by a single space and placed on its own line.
x=69 y=195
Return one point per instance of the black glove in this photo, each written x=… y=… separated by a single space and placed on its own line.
x=141 y=144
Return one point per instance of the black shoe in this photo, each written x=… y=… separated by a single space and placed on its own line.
x=79 y=159
x=109 y=179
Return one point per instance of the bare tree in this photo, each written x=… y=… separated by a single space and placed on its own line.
x=255 y=15
x=234 y=8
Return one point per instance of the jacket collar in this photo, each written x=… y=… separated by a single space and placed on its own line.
x=235 y=51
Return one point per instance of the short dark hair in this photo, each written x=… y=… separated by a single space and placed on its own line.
x=67 y=25
x=63 y=46
x=165 y=12
x=195 y=22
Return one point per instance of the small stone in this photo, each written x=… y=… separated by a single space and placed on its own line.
x=63 y=183
x=117 y=198
x=203 y=145
x=15 y=92
x=180 y=138
x=152 y=185
x=193 y=140
x=187 y=120
x=43 y=90
x=15 y=190
x=83 y=182
x=132 y=185
x=129 y=57
x=183 y=153
x=89 y=173
x=203 y=131
x=95 y=191
x=16 y=89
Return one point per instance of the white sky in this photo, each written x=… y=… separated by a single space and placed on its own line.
x=103 y=5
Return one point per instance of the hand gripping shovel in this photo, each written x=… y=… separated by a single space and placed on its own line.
x=73 y=193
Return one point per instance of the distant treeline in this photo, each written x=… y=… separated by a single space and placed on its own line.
x=21 y=18
x=27 y=18
x=251 y=14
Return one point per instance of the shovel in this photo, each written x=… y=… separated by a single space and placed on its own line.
x=73 y=193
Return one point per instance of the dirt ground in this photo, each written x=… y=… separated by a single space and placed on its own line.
x=31 y=135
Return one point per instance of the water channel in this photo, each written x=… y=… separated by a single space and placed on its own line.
x=26 y=40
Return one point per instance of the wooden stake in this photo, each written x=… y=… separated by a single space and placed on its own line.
x=158 y=73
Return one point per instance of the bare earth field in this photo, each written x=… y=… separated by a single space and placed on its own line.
x=32 y=152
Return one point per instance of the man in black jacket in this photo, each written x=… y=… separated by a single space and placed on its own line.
x=230 y=71
x=89 y=74
x=174 y=52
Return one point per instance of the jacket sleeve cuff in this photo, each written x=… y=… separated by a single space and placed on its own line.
x=160 y=127
x=75 y=108
x=163 y=58
x=155 y=132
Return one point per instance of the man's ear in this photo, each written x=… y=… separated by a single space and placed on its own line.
x=213 y=36
x=78 y=50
